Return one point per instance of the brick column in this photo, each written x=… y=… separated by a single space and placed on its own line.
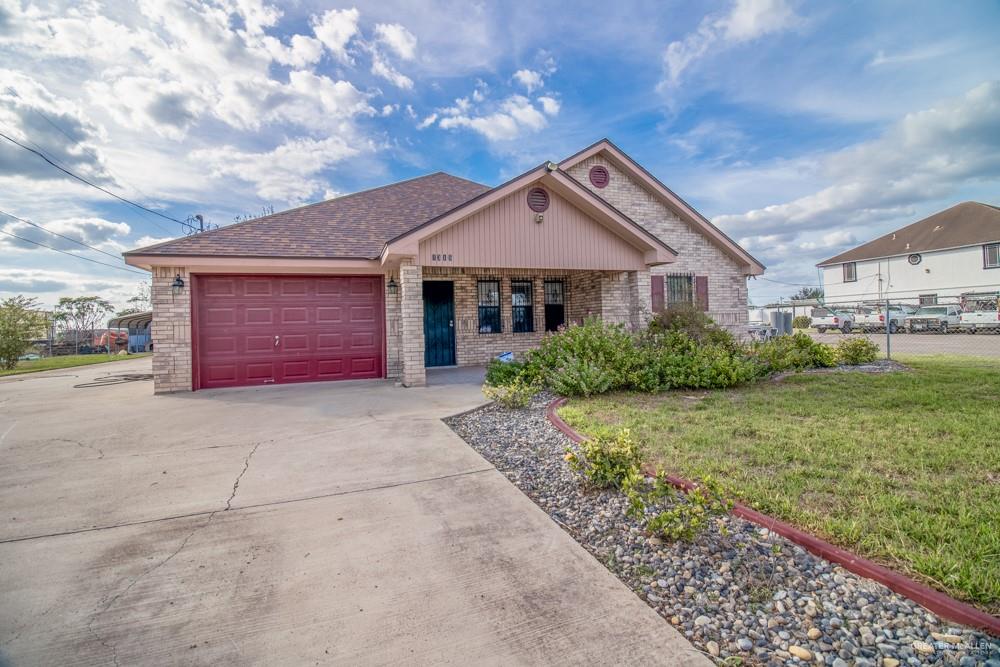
x=171 y=331
x=411 y=288
x=641 y=298
x=393 y=350
x=616 y=301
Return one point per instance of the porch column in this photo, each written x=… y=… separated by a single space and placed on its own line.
x=640 y=299
x=411 y=288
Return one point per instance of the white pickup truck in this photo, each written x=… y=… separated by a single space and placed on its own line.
x=874 y=319
x=980 y=312
x=934 y=318
x=825 y=318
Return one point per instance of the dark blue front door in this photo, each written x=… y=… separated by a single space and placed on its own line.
x=439 y=323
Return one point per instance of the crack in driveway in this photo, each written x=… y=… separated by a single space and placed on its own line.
x=111 y=601
x=236 y=484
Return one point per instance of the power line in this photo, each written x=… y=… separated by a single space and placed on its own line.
x=779 y=282
x=35 y=224
x=94 y=185
x=87 y=149
x=112 y=266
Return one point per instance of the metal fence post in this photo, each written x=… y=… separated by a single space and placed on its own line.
x=888 y=331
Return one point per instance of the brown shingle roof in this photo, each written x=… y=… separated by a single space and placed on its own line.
x=968 y=223
x=352 y=226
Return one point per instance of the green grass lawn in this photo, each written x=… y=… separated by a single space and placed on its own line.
x=903 y=468
x=67 y=361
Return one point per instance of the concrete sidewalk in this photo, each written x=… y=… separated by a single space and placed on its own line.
x=322 y=523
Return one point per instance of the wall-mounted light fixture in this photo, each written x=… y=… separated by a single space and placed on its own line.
x=178 y=285
x=393 y=286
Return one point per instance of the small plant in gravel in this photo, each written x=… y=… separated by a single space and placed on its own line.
x=606 y=463
x=855 y=351
x=515 y=394
x=693 y=511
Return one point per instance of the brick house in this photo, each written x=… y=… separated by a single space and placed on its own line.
x=433 y=271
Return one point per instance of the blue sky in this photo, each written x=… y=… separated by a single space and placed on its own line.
x=800 y=128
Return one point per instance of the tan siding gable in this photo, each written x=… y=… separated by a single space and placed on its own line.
x=505 y=235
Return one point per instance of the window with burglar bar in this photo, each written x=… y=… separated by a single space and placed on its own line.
x=555 y=304
x=679 y=290
x=521 y=306
x=489 y=306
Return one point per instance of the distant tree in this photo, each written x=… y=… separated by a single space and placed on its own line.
x=140 y=302
x=20 y=322
x=82 y=314
x=808 y=293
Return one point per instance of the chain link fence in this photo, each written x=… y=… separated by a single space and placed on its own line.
x=967 y=325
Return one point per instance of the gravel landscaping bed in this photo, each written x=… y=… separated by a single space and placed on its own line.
x=740 y=593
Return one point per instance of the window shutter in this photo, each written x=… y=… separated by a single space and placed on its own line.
x=656 y=285
x=701 y=292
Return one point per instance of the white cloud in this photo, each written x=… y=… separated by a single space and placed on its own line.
x=530 y=79
x=382 y=68
x=335 y=28
x=389 y=109
x=427 y=122
x=550 y=105
x=96 y=232
x=287 y=173
x=397 y=39
x=927 y=157
x=515 y=116
x=747 y=20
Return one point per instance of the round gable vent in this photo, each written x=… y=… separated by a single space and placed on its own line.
x=599 y=176
x=538 y=200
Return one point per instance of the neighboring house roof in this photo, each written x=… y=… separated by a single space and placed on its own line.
x=354 y=226
x=965 y=224
x=668 y=197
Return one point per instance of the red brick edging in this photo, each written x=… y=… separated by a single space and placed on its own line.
x=941 y=604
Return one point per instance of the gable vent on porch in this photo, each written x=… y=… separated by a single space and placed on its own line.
x=538 y=200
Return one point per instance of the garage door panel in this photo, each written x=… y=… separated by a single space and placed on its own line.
x=256 y=344
x=217 y=345
x=329 y=315
x=258 y=287
x=296 y=315
x=220 y=316
x=295 y=343
x=328 y=328
x=258 y=315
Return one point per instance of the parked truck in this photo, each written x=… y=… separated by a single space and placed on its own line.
x=979 y=312
x=826 y=318
x=934 y=318
x=875 y=318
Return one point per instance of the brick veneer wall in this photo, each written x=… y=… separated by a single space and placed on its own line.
x=171 y=331
x=603 y=294
x=393 y=332
x=727 y=288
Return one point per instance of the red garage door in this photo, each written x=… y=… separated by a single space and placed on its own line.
x=276 y=329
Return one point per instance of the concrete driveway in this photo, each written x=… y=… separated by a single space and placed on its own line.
x=323 y=523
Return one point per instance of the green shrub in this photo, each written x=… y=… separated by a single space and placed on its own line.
x=673 y=360
x=607 y=350
x=794 y=352
x=500 y=373
x=515 y=394
x=607 y=463
x=580 y=377
x=801 y=322
x=689 y=320
x=854 y=351
x=692 y=512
